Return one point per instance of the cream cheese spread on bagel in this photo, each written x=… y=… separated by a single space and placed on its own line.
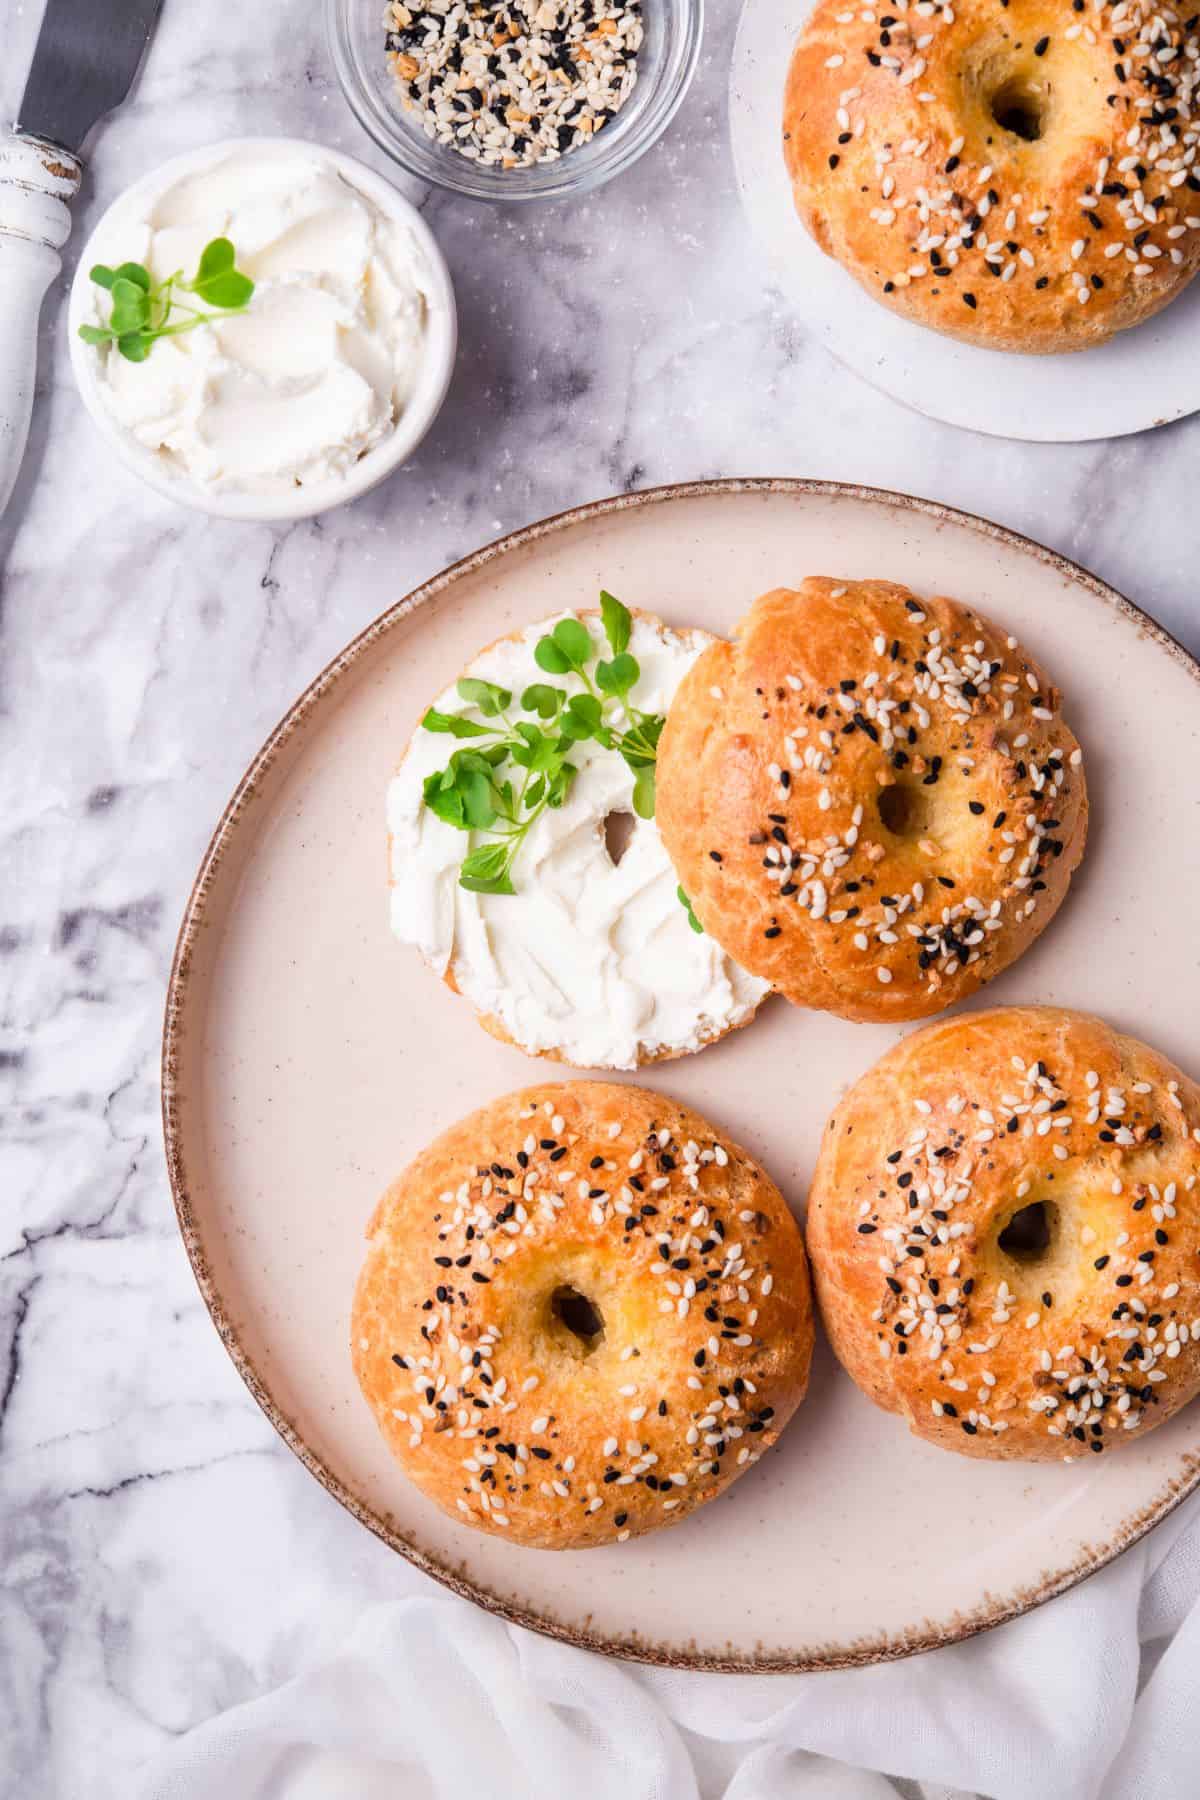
x=593 y=960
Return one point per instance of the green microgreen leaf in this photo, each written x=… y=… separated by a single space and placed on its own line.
x=693 y=921
x=489 y=698
x=143 y=310
x=644 y=792
x=639 y=745
x=548 y=656
x=475 y=794
x=574 y=641
x=583 y=714
x=478 y=805
x=619 y=675
x=546 y=756
x=499 y=885
x=230 y=292
x=130 y=307
x=452 y=723
x=215 y=258
x=475 y=760
x=617 y=621
x=486 y=871
x=542 y=699
x=558 y=785
x=444 y=803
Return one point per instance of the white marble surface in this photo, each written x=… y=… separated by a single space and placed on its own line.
x=163 y=1554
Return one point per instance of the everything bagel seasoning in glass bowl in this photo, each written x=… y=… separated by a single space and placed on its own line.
x=515 y=99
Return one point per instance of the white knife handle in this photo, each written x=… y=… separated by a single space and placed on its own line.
x=36 y=181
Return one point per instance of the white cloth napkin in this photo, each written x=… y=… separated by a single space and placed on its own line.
x=1095 y=1696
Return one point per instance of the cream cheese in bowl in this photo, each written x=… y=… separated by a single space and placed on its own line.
x=331 y=373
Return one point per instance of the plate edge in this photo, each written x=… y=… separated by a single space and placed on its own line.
x=860 y=1652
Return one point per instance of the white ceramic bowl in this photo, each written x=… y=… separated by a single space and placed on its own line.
x=317 y=497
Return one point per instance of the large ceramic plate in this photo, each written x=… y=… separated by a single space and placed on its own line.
x=1148 y=376
x=308 y=1057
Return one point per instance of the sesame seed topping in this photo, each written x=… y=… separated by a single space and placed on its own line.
x=513 y=84
x=945 y=210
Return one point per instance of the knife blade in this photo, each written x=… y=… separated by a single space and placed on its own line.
x=87 y=56
x=84 y=65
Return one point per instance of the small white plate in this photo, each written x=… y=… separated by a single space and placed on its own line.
x=309 y=1057
x=1141 y=378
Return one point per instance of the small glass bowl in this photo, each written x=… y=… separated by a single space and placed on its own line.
x=666 y=64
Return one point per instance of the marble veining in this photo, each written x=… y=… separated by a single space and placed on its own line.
x=164 y=1555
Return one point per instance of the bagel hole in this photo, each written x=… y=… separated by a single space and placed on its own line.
x=577 y=1313
x=904 y=810
x=619 y=828
x=1030 y=1232
x=1017 y=110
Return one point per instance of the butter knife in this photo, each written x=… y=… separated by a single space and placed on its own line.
x=83 y=67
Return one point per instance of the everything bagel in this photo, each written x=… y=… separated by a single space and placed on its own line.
x=871 y=799
x=1002 y=1228
x=582 y=1315
x=1012 y=172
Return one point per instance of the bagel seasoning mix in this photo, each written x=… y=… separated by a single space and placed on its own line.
x=514 y=85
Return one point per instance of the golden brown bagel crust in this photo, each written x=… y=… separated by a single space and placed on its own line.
x=498 y=1410
x=777 y=751
x=902 y=173
x=1033 y=1354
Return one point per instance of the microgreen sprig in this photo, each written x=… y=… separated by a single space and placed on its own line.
x=144 y=310
x=478 y=792
x=682 y=896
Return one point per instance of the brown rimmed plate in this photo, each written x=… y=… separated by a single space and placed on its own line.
x=307 y=1057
